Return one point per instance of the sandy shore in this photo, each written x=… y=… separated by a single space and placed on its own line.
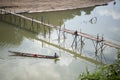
x=48 y=5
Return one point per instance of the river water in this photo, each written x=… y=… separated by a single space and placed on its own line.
x=102 y=20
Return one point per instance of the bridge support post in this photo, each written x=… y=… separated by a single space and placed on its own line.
x=75 y=40
x=0 y=14
x=44 y=30
x=96 y=46
x=49 y=32
x=59 y=33
x=64 y=37
x=19 y=22
x=31 y=24
x=37 y=28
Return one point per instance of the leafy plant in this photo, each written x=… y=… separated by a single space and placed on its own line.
x=107 y=72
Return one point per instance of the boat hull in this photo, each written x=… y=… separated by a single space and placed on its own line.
x=32 y=55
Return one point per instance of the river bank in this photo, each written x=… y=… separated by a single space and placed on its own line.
x=48 y=5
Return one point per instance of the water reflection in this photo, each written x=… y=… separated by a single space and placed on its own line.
x=92 y=20
x=59 y=17
x=9 y=35
x=33 y=68
x=109 y=12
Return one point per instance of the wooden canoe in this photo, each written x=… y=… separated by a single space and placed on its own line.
x=33 y=55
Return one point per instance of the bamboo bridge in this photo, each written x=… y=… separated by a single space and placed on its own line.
x=76 y=33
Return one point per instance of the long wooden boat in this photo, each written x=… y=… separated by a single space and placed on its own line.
x=33 y=55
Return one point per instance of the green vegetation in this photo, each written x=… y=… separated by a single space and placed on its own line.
x=107 y=72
